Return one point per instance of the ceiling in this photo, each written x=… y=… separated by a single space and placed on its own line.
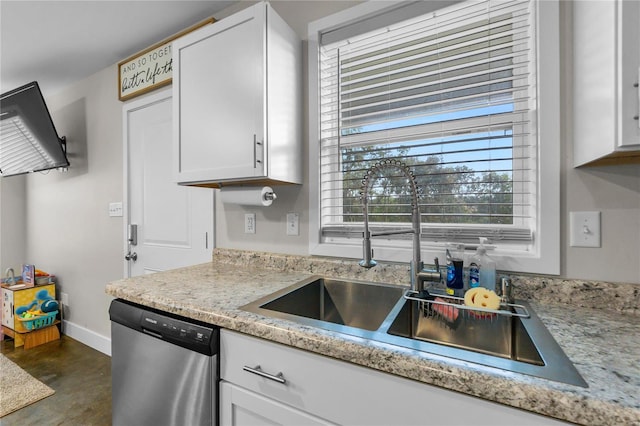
x=60 y=42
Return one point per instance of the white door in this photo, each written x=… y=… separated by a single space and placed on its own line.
x=174 y=223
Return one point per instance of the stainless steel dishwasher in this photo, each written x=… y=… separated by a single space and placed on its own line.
x=164 y=368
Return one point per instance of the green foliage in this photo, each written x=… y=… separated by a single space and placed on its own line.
x=450 y=194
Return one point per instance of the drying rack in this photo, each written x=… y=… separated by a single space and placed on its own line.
x=453 y=302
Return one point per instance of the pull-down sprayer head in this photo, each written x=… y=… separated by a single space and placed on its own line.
x=374 y=171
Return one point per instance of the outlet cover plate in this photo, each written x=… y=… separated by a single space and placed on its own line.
x=250 y=223
x=293 y=224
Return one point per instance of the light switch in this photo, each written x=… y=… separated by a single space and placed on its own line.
x=585 y=229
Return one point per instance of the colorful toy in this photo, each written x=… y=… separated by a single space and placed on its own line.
x=41 y=298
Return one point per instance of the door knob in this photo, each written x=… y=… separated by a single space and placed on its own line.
x=131 y=256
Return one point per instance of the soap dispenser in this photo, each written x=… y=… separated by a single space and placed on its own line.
x=482 y=269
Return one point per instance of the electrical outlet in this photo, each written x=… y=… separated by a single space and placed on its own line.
x=585 y=229
x=64 y=299
x=250 y=223
x=293 y=221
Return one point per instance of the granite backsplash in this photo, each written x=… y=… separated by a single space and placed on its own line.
x=617 y=297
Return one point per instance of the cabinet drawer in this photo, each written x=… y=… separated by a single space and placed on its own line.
x=299 y=370
x=345 y=393
x=333 y=390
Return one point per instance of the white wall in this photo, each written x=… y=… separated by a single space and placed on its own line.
x=69 y=233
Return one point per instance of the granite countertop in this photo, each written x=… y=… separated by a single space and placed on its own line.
x=599 y=331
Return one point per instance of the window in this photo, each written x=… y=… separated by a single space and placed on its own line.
x=455 y=94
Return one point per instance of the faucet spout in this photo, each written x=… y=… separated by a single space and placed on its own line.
x=10 y=272
x=417 y=276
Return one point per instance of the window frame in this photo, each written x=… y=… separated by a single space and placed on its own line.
x=544 y=256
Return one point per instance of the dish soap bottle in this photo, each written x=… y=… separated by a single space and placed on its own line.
x=482 y=269
x=455 y=263
x=474 y=271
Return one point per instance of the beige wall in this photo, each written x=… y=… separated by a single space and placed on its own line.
x=12 y=223
x=614 y=191
x=68 y=230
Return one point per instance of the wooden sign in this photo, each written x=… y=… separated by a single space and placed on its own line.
x=150 y=69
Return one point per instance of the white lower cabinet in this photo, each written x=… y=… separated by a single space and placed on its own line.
x=322 y=390
x=240 y=407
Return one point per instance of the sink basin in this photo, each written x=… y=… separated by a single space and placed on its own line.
x=379 y=312
x=498 y=335
x=347 y=303
x=519 y=344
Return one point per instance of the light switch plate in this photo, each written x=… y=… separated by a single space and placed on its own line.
x=293 y=224
x=584 y=229
x=115 y=209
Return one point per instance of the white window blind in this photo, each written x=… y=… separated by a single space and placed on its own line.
x=452 y=95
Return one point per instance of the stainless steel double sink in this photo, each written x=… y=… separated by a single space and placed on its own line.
x=381 y=313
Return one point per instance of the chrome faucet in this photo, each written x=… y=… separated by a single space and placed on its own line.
x=418 y=274
x=8 y=272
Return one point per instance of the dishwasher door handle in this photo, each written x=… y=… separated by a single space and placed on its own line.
x=152 y=333
x=257 y=370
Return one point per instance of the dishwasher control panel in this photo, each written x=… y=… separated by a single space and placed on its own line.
x=184 y=332
x=175 y=328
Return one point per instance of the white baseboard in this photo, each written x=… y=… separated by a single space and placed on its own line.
x=90 y=338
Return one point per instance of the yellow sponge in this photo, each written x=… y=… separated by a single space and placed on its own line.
x=481 y=297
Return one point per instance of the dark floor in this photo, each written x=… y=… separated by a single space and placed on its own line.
x=80 y=375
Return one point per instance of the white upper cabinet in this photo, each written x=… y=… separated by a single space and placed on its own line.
x=237 y=102
x=606 y=96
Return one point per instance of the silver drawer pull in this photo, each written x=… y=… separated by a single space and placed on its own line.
x=257 y=370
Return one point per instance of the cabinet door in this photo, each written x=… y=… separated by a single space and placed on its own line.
x=605 y=70
x=629 y=53
x=239 y=407
x=219 y=93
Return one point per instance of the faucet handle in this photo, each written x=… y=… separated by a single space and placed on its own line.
x=431 y=275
